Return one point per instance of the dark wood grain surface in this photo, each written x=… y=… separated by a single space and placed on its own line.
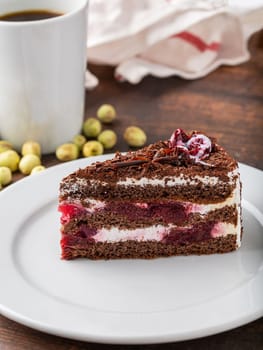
x=227 y=104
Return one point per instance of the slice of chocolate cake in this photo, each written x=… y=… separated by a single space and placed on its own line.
x=174 y=197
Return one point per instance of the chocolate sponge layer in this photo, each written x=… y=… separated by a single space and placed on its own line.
x=198 y=193
x=150 y=249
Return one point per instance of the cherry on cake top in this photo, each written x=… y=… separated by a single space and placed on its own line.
x=196 y=146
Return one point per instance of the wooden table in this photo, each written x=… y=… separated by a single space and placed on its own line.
x=226 y=104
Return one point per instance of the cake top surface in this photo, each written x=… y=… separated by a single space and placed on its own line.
x=183 y=154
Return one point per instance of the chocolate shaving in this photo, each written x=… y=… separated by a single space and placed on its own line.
x=167 y=159
x=129 y=163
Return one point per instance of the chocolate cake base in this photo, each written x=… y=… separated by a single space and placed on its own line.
x=150 y=249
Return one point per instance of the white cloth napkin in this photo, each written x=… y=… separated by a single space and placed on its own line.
x=186 y=38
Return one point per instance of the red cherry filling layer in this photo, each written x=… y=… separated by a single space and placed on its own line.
x=166 y=212
x=68 y=211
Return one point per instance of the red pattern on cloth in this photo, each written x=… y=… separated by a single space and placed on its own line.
x=196 y=41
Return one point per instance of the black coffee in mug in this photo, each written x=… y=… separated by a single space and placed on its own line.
x=29 y=15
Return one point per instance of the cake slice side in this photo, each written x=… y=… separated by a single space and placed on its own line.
x=180 y=196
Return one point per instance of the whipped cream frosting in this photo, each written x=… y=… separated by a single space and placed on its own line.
x=180 y=180
x=155 y=232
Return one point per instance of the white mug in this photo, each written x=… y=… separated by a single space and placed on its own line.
x=42 y=73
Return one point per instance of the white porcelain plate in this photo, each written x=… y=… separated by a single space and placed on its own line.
x=122 y=301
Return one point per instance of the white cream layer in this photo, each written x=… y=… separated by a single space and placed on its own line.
x=180 y=180
x=238 y=203
x=156 y=233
